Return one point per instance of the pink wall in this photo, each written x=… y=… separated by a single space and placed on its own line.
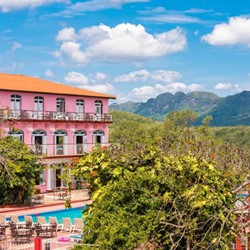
x=27 y=101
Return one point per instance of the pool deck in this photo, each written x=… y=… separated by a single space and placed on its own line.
x=51 y=203
x=78 y=198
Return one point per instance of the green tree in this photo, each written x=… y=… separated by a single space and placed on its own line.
x=168 y=202
x=19 y=170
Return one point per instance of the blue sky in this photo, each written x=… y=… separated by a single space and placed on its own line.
x=134 y=49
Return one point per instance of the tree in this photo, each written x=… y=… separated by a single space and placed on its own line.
x=177 y=195
x=19 y=170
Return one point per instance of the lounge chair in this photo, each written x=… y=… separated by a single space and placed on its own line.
x=78 y=225
x=14 y=218
x=67 y=225
x=3 y=220
x=54 y=220
x=41 y=220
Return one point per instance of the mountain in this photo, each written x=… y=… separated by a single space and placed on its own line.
x=226 y=111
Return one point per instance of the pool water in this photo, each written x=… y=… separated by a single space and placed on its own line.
x=64 y=213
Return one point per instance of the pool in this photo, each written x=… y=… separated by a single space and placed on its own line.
x=71 y=213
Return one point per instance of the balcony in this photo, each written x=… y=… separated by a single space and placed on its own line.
x=50 y=150
x=52 y=115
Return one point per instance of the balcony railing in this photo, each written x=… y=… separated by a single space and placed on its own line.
x=49 y=150
x=52 y=115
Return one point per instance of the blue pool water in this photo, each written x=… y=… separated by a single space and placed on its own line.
x=64 y=213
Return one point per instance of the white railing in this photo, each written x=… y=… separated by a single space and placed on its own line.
x=65 y=149
x=52 y=115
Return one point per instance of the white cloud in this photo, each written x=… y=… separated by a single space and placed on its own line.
x=72 y=51
x=223 y=86
x=9 y=5
x=98 y=5
x=163 y=76
x=236 y=31
x=103 y=88
x=146 y=92
x=124 y=42
x=90 y=82
x=173 y=18
x=101 y=76
x=49 y=73
x=15 y=46
x=76 y=78
x=67 y=34
x=228 y=86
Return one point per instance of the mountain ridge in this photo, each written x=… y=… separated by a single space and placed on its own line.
x=231 y=110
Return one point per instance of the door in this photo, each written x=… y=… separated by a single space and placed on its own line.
x=58 y=177
x=38 y=141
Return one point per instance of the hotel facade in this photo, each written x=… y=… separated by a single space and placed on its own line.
x=60 y=123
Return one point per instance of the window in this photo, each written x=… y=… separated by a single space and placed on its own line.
x=38 y=140
x=98 y=136
x=60 y=141
x=98 y=107
x=15 y=102
x=18 y=134
x=38 y=102
x=79 y=106
x=60 y=105
x=80 y=140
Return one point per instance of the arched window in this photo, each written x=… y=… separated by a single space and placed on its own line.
x=79 y=106
x=60 y=138
x=15 y=102
x=18 y=134
x=98 y=136
x=39 y=132
x=80 y=141
x=39 y=141
x=98 y=107
x=38 y=103
x=60 y=105
x=60 y=132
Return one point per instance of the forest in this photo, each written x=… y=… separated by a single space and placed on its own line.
x=165 y=185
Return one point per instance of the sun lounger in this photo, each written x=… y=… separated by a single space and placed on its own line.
x=14 y=218
x=41 y=220
x=54 y=220
x=78 y=225
x=67 y=225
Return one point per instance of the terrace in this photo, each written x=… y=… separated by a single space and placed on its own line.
x=55 y=116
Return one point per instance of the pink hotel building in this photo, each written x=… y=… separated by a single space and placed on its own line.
x=58 y=122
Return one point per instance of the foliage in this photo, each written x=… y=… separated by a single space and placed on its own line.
x=172 y=190
x=165 y=200
x=19 y=170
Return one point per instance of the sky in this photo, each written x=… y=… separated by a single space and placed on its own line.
x=133 y=49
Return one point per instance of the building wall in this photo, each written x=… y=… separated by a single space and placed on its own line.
x=27 y=101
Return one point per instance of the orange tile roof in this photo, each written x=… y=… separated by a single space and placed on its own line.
x=36 y=85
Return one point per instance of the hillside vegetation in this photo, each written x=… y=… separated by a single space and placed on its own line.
x=226 y=111
x=149 y=128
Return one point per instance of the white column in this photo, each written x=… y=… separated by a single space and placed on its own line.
x=49 y=178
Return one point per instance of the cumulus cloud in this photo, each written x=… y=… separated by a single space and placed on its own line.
x=124 y=42
x=9 y=5
x=228 y=86
x=49 y=73
x=144 y=75
x=236 y=31
x=76 y=78
x=223 y=86
x=145 y=92
x=95 y=82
